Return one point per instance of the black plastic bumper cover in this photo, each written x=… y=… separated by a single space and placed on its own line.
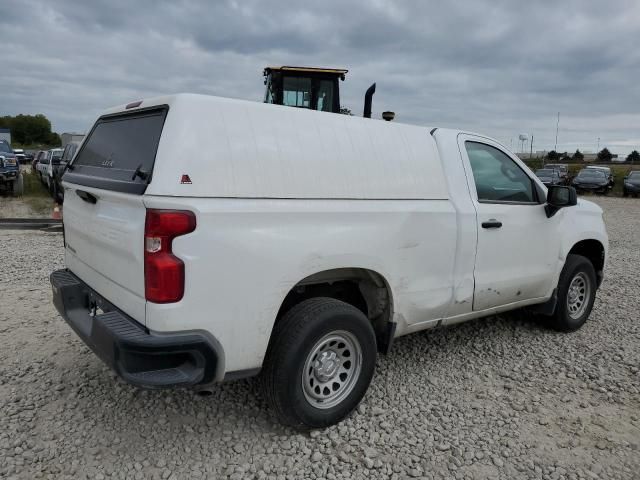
x=139 y=356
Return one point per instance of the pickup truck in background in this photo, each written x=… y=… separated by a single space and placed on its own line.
x=49 y=166
x=20 y=155
x=11 y=179
x=301 y=244
x=57 y=190
x=42 y=166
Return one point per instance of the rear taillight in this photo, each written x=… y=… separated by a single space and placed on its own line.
x=163 y=271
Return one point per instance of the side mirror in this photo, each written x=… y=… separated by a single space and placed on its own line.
x=559 y=197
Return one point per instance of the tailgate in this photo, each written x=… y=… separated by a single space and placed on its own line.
x=104 y=214
x=104 y=245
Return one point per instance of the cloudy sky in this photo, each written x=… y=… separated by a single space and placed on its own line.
x=499 y=67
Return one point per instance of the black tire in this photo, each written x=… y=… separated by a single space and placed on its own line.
x=18 y=186
x=57 y=196
x=295 y=337
x=563 y=319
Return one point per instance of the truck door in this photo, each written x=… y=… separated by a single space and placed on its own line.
x=517 y=248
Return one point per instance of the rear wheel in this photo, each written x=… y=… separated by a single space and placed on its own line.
x=576 y=294
x=319 y=363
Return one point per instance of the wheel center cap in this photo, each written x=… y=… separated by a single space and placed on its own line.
x=326 y=366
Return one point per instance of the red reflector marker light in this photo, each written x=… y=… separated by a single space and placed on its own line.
x=163 y=271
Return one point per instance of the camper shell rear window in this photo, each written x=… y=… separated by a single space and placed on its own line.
x=119 y=152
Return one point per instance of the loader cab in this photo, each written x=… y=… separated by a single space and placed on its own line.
x=304 y=87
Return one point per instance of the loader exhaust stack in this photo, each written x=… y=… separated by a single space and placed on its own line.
x=367 y=100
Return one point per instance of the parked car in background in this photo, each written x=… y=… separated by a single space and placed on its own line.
x=39 y=155
x=46 y=168
x=57 y=190
x=606 y=171
x=20 y=156
x=563 y=171
x=10 y=177
x=300 y=263
x=42 y=165
x=631 y=184
x=591 y=180
x=549 y=176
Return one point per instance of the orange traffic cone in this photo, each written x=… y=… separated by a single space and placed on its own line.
x=57 y=213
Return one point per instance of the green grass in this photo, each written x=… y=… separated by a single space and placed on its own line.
x=619 y=171
x=35 y=194
x=33 y=146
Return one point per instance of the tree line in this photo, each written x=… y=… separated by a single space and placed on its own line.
x=604 y=155
x=30 y=130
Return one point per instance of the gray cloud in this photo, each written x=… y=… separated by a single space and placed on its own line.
x=498 y=67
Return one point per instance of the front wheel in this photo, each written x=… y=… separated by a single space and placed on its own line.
x=576 y=294
x=18 y=186
x=319 y=363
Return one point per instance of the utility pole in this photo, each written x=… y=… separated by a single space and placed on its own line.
x=598 y=145
x=557 y=125
x=531 y=149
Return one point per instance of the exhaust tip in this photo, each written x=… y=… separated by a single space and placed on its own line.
x=204 y=392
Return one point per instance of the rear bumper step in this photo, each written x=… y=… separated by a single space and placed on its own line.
x=139 y=356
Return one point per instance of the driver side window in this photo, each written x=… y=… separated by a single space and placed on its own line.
x=498 y=178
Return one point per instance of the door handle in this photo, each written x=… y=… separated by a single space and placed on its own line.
x=493 y=223
x=86 y=196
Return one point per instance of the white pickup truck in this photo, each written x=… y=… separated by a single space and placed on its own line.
x=301 y=244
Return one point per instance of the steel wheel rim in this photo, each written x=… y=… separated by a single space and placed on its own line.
x=578 y=295
x=332 y=369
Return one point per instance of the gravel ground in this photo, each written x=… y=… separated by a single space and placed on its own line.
x=496 y=398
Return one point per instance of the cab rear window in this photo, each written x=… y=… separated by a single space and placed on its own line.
x=119 y=152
